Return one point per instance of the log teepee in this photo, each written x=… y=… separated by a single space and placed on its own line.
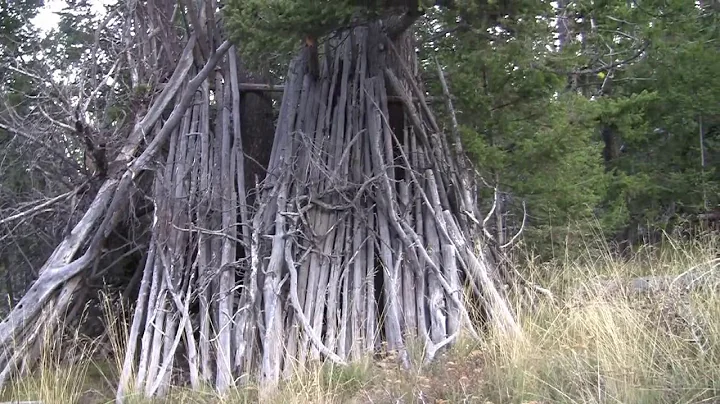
x=360 y=232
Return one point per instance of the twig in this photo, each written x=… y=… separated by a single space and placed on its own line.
x=490 y=213
x=52 y=149
x=606 y=68
x=39 y=207
x=522 y=227
x=99 y=87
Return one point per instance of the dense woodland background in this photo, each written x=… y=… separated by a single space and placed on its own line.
x=587 y=122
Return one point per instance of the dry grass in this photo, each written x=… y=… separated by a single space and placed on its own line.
x=62 y=372
x=585 y=346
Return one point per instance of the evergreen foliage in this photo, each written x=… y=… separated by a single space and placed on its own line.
x=268 y=32
x=535 y=116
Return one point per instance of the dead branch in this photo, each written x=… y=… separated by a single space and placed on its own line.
x=38 y=208
x=519 y=232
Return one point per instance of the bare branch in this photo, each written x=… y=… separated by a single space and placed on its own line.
x=605 y=68
x=517 y=235
x=50 y=148
x=38 y=208
x=489 y=215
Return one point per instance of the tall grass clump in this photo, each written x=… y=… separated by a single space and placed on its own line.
x=608 y=337
x=60 y=373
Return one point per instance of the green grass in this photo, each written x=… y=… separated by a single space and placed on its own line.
x=583 y=346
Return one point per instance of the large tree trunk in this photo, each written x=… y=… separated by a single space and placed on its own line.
x=360 y=221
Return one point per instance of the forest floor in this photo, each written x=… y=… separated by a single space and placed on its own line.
x=609 y=334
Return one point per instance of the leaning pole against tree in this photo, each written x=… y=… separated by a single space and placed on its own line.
x=360 y=234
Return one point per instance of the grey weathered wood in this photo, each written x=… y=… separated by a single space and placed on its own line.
x=226 y=282
x=259 y=87
x=345 y=309
x=204 y=245
x=140 y=313
x=438 y=320
x=334 y=286
x=241 y=315
x=150 y=367
x=450 y=270
x=408 y=277
x=418 y=224
x=272 y=346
